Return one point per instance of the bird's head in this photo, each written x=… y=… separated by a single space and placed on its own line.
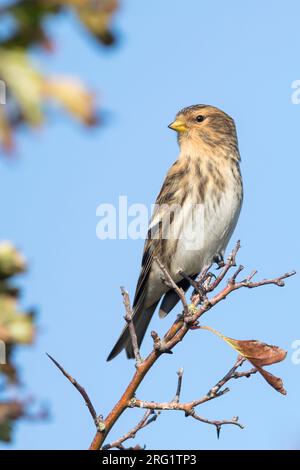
x=205 y=125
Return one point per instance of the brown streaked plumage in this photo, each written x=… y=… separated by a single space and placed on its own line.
x=207 y=177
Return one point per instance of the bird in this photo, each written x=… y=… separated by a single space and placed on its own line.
x=205 y=187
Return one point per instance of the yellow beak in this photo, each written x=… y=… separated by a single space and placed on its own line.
x=178 y=126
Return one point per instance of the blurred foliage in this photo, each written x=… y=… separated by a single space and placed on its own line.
x=10 y=411
x=16 y=328
x=28 y=90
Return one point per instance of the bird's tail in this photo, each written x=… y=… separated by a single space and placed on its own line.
x=141 y=320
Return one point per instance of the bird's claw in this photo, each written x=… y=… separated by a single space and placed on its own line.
x=219 y=260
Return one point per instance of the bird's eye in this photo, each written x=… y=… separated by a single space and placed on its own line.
x=200 y=118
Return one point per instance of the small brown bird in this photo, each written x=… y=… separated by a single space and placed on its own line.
x=195 y=213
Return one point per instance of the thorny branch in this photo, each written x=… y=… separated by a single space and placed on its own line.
x=189 y=407
x=206 y=284
x=99 y=423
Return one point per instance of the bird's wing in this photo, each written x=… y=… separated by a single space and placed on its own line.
x=171 y=298
x=165 y=198
x=144 y=273
x=151 y=248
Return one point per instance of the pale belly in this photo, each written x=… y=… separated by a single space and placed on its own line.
x=206 y=234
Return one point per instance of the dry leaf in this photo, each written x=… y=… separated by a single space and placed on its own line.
x=274 y=381
x=259 y=354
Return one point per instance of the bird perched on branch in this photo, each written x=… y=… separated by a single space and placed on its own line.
x=195 y=213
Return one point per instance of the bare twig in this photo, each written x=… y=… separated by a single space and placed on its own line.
x=189 y=407
x=149 y=417
x=218 y=424
x=99 y=423
x=179 y=385
x=197 y=285
x=230 y=262
x=278 y=281
x=128 y=319
x=236 y=273
x=167 y=279
x=231 y=374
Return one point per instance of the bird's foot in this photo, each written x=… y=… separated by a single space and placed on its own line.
x=198 y=289
x=219 y=260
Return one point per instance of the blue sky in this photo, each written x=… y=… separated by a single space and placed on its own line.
x=239 y=56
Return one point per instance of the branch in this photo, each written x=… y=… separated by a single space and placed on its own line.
x=189 y=407
x=230 y=262
x=99 y=423
x=149 y=417
x=167 y=279
x=178 y=331
x=129 y=319
x=207 y=283
x=179 y=385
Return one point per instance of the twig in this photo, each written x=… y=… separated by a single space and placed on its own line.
x=189 y=407
x=218 y=424
x=128 y=319
x=230 y=262
x=236 y=273
x=278 y=281
x=231 y=374
x=99 y=423
x=149 y=417
x=167 y=279
x=196 y=285
x=179 y=385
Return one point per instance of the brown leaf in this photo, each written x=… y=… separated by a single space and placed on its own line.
x=274 y=381
x=259 y=354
